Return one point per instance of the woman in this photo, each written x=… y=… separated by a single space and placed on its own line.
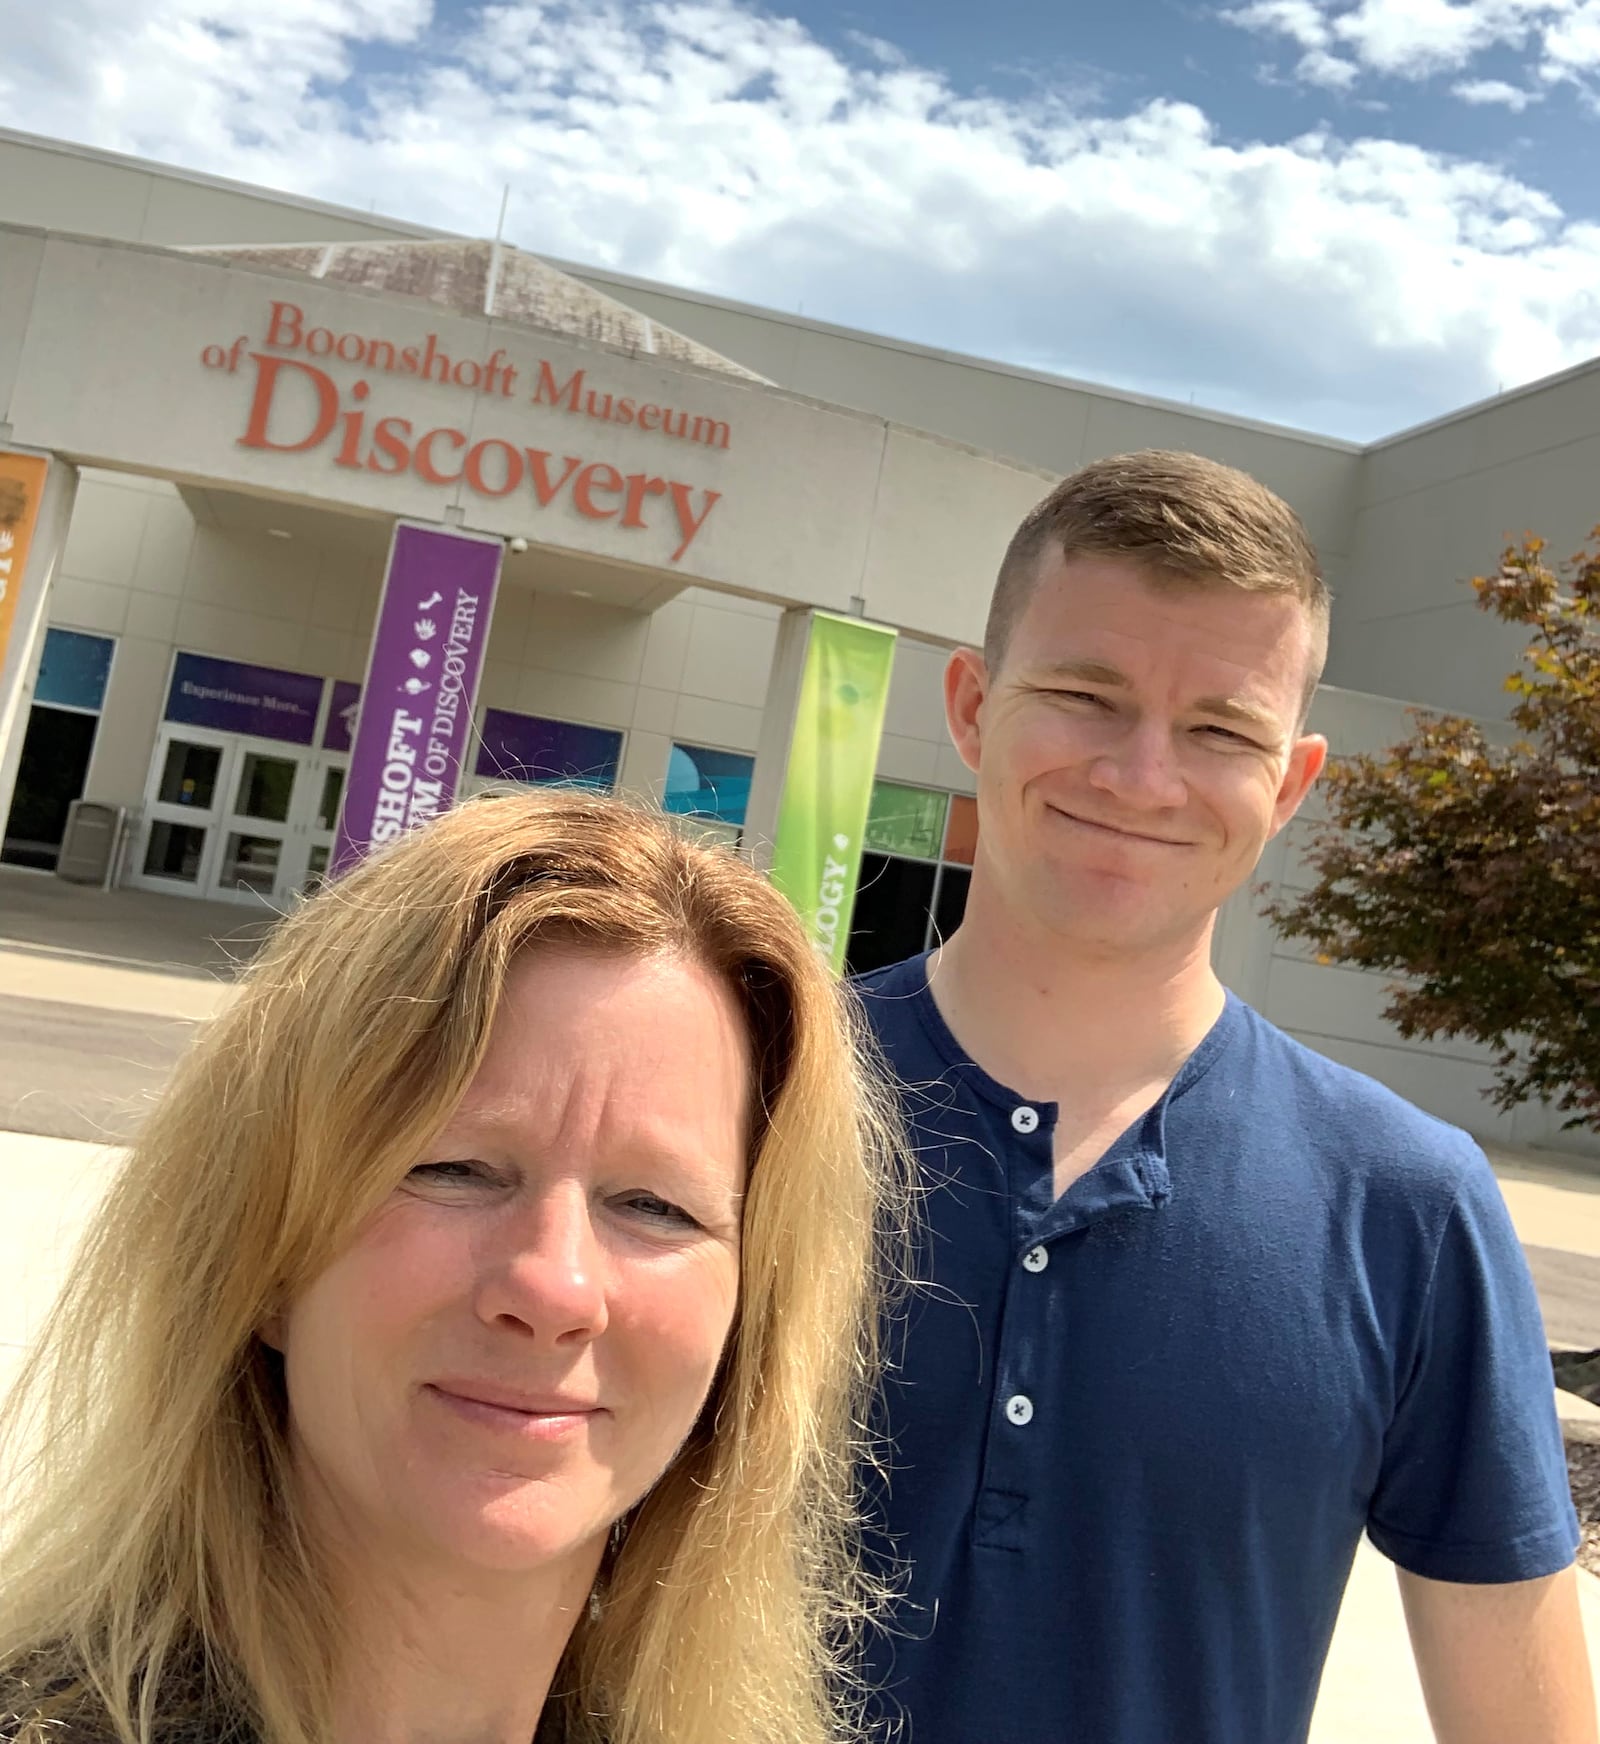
x=475 y=1343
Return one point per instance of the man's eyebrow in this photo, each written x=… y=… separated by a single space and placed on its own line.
x=1092 y=671
x=1218 y=708
x=1229 y=708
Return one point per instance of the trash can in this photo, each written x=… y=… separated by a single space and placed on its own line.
x=90 y=846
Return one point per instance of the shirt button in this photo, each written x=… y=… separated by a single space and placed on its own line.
x=1025 y=1119
x=1036 y=1259
x=1019 y=1408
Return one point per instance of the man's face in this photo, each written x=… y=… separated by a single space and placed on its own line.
x=1135 y=752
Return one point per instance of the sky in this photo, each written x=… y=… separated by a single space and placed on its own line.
x=1348 y=216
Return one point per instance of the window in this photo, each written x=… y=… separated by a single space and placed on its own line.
x=703 y=783
x=914 y=873
x=57 y=744
x=558 y=753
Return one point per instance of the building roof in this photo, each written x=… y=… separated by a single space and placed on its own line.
x=482 y=278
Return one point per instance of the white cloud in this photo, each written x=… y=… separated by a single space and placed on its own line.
x=1350 y=286
x=1302 y=21
x=1414 y=38
x=1572 y=43
x=1495 y=92
x=1331 y=71
x=1418 y=39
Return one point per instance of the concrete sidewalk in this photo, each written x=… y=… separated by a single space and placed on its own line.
x=1370 y=1695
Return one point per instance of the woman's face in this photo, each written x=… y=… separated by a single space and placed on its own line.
x=514 y=1346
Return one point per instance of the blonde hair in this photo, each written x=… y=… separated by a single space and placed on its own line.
x=1190 y=522
x=151 y=1536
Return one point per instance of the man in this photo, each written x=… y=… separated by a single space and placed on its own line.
x=1204 y=1306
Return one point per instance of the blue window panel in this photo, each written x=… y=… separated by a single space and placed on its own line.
x=528 y=748
x=706 y=783
x=73 y=669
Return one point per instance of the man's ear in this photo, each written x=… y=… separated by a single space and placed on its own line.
x=1306 y=758
x=966 y=684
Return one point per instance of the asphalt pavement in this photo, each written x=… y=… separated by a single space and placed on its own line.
x=76 y=1071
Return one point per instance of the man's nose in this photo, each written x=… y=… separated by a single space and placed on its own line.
x=1141 y=768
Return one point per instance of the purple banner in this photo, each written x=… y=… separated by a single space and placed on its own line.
x=235 y=698
x=340 y=727
x=415 y=721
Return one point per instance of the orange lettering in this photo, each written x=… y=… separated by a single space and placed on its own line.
x=688 y=522
x=649 y=416
x=711 y=431
x=282 y=330
x=546 y=393
x=422 y=459
x=539 y=474
x=349 y=454
x=588 y=482
x=640 y=486
x=474 y=467
x=387 y=439
x=267 y=371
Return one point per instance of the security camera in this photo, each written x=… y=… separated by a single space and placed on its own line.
x=519 y=544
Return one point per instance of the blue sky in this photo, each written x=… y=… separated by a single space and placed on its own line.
x=1346 y=215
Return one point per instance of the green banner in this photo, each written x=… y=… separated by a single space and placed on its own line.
x=822 y=816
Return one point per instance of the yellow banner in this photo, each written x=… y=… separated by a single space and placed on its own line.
x=21 y=490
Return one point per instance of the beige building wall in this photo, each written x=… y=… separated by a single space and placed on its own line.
x=138 y=566
x=94 y=193
x=1026 y=415
x=1436 y=506
x=1040 y=420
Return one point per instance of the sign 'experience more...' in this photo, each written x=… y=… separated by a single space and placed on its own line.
x=297 y=407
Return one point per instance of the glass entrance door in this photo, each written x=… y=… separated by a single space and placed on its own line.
x=255 y=824
x=234 y=819
x=183 y=805
x=314 y=820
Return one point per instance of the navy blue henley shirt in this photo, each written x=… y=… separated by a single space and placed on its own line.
x=1137 y=1432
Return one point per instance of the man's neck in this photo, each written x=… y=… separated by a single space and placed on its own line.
x=1060 y=1022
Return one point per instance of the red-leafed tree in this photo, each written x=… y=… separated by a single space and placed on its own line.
x=1473 y=870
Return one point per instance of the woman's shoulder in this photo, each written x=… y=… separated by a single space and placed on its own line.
x=32 y=1712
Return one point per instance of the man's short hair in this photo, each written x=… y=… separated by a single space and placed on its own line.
x=1188 y=521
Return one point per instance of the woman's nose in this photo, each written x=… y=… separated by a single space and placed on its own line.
x=546 y=1273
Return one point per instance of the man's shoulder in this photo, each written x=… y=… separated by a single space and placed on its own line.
x=910 y=974
x=892 y=996
x=1342 y=1112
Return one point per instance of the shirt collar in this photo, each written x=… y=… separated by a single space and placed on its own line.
x=1136 y=1168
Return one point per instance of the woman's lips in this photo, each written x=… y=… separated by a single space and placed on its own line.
x=547 y=1418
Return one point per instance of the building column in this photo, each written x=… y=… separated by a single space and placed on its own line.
x=777 y=735
x=816 y=757
x=34 y=517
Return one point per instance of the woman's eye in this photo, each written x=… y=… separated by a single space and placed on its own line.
x=448 y=1172
x=656 y=1209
